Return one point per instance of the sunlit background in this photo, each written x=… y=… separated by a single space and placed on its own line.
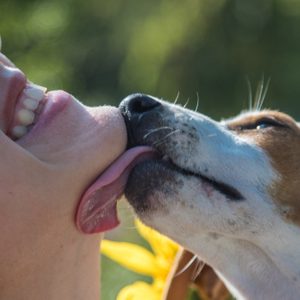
x=208 y=49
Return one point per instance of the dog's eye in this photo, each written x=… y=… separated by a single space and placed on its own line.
x=265 y=123
x=262 y=124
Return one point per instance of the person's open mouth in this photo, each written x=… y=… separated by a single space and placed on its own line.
x=28 y=107
x=34 y=110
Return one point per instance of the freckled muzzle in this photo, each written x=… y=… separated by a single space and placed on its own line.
x=145 y=115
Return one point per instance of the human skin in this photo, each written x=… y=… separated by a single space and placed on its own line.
x=42 y=177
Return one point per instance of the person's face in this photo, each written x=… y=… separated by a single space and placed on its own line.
x=44 y=173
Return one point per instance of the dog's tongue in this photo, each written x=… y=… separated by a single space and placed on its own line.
x=97 y=209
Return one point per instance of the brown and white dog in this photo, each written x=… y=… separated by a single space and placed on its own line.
x=228 y=191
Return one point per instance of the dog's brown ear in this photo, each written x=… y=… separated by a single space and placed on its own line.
x=210 y=286
x=178 y=282
x=207 y=283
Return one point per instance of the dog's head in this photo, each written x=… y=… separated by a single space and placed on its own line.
x=237 y=178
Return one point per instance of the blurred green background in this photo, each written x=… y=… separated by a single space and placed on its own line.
x=103 y=50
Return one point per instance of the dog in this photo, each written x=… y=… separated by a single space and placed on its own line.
x=227 y=191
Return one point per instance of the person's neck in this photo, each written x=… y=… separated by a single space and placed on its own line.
x=252 y=272
x=60 y=270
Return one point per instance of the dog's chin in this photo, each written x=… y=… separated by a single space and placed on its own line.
x=149 y=183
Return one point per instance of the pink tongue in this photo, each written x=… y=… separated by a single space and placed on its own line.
x=97 y=209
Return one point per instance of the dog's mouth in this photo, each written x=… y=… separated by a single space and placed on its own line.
x=97 y=209
x=226 y=190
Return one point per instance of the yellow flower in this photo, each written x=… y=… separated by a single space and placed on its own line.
x=156 y=264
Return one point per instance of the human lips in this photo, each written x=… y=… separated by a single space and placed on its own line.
x=12 y=82
x=23 y=105
x=53 y=104
x=20 y=102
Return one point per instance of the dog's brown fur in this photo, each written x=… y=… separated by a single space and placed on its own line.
x=283 y=146
x=206 y=283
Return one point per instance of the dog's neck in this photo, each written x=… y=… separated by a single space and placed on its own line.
x=284 y=251
x=266 y=271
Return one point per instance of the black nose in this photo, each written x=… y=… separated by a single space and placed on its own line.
x=137 y=104
x=139 y=112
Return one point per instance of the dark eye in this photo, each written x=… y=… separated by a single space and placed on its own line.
x=262 y=124
x=265 y=123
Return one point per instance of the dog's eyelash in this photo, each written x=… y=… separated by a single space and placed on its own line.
x=261 y=124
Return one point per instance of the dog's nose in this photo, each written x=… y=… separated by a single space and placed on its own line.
x=136 y=104
x=134 y=108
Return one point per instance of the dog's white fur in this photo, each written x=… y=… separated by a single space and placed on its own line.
x=250 y=244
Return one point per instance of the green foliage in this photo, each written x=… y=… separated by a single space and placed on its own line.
x=103 y=50
x=115 y=277
x=193 y=295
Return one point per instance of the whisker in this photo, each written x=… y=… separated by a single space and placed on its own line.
x=186 y=103
x=156 y=130
x=258 y=94
x=265 y=92
x=197 y=104
x=250 y=96
x=158 y=143
x=177 y=97
x=199 y=267
x=186 y=266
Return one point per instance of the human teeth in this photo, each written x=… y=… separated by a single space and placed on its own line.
x=36 y=92
x=31 y=104
x=25 y=116
x=19 y=131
